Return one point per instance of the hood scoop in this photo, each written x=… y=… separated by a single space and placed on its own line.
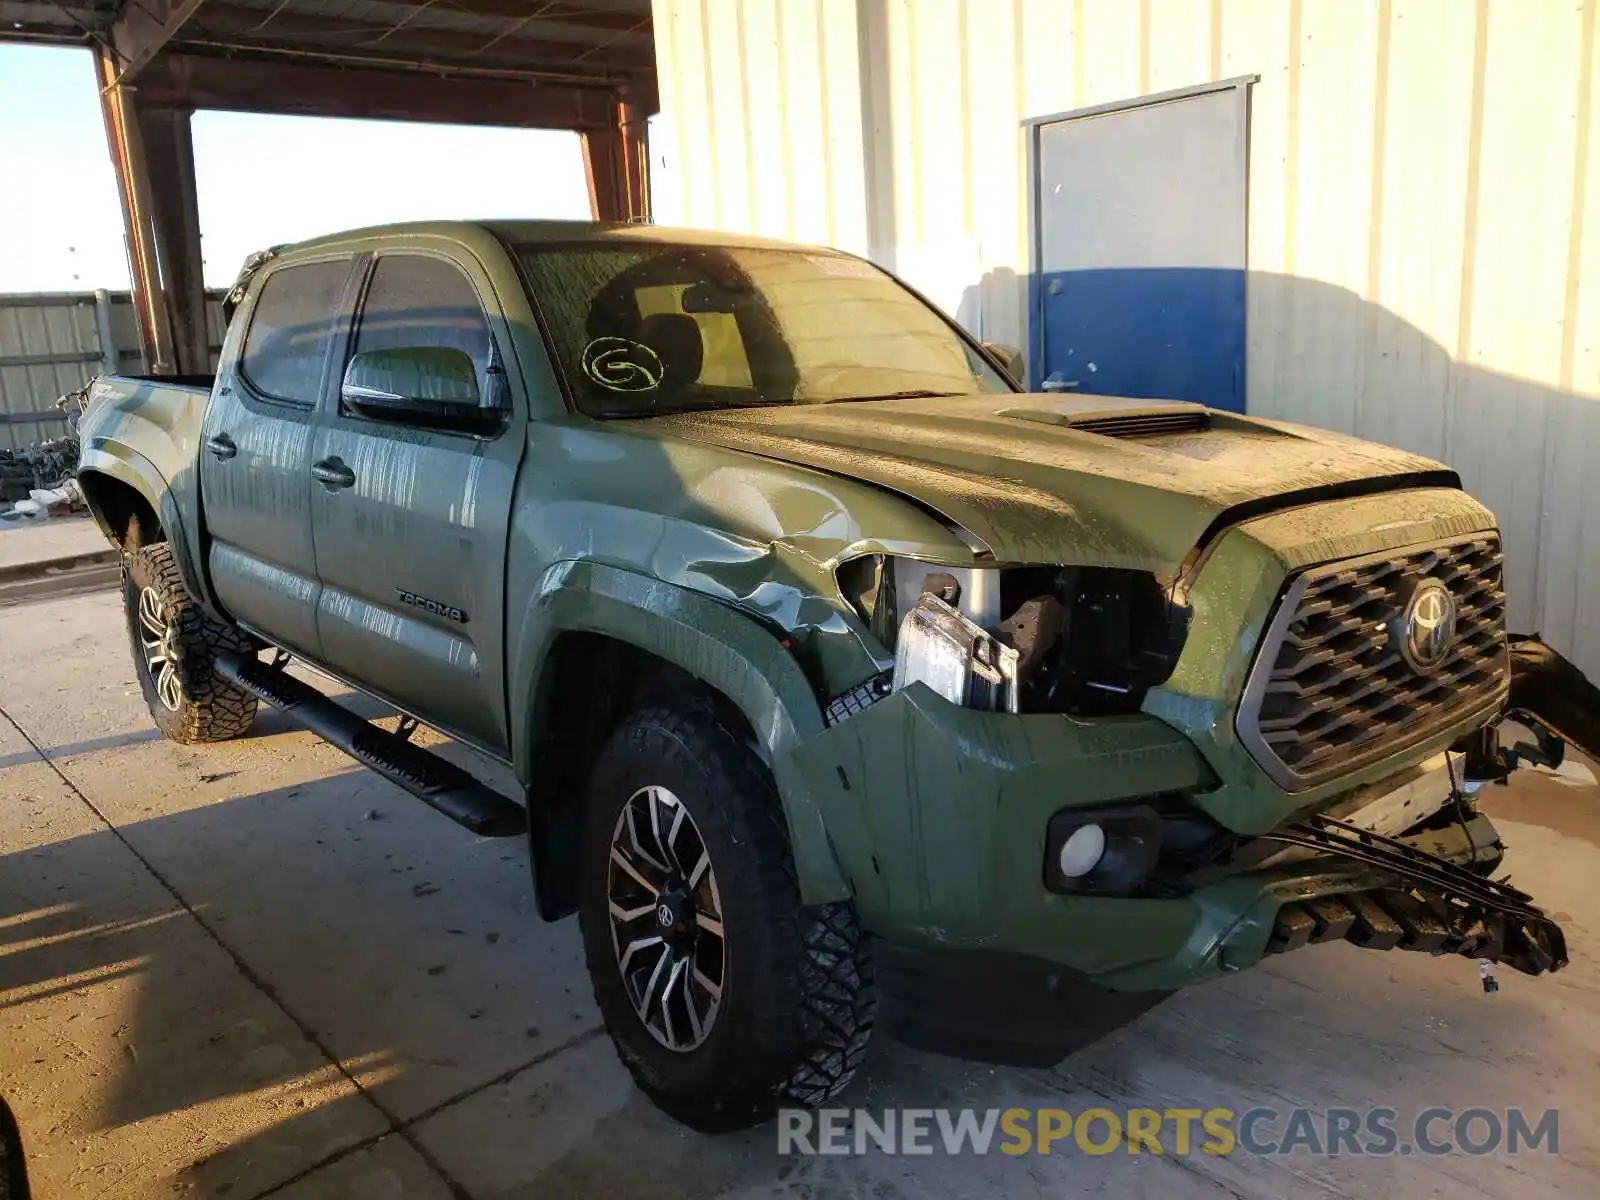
x=1140 y=425
x=1132 y=423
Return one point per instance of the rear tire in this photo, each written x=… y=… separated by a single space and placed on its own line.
x=174 y=645
x=784 y=999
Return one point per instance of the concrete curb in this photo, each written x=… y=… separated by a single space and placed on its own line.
x=19 y=572
x=57 y=576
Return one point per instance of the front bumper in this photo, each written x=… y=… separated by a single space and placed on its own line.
x=937 y=815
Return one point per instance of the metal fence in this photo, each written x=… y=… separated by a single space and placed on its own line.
x=54 y=342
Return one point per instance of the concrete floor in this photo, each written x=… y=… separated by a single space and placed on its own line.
x=25 y=543
x=254 y=969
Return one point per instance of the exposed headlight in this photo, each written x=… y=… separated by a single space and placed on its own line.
x=977 y=588
x=955 y=657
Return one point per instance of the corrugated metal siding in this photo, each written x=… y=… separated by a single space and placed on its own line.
x=1424 y=234
x=58 y=334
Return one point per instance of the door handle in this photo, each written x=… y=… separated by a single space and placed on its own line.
x=221 y=446
x=333 y=474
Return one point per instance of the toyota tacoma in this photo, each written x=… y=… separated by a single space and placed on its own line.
x=814 y=641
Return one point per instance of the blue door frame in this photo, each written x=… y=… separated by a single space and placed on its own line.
x=1137 y=219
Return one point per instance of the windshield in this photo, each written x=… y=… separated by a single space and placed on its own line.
x=655 y=328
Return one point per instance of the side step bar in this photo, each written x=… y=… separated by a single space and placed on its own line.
x=433 y=780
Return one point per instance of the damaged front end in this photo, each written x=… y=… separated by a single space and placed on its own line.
x=1434 y=904
x=1142 y=783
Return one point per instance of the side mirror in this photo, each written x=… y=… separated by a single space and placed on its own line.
x=1008 y=359
x=436 y=386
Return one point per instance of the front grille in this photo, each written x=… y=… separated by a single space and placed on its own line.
x=1331 y=692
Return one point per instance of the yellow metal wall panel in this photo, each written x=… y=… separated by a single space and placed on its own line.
x=993 y=305
x=1514 y=295
x=1051 y=55
x=935 y=242
x=1256 y=38
x=1321 y=364
x=1416 y=303
x=1115 y=46
x=765 y=105
x=1182 y=49
x=670 y=194
x=681 y=39
x=799 y=79
x=728 y=85
x=846 y=163
x=1569 y=555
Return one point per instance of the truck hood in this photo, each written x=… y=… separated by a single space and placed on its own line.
x=1089 y=480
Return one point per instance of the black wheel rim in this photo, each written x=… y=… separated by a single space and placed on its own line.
x=156 y=640
x=666 y=919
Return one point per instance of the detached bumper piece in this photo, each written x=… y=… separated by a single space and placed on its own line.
x=1434 y=905
x=1555 y=694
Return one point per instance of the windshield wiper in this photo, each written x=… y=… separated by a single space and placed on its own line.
x=910 y=394
x=682 y=406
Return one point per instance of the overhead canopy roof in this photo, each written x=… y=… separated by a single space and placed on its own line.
x=584 y=65
x=554 y=63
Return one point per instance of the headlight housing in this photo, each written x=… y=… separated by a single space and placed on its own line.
x=1088 y=641
x=955 y=657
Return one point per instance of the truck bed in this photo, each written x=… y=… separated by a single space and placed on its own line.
x=194 y=383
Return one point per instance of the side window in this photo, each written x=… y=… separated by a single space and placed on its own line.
x=725 y=363
x=286 y=345
x=414 y=301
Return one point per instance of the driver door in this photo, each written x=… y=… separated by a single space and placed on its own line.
x=410 y=521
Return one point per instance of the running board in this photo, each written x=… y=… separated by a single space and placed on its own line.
x=433 y=780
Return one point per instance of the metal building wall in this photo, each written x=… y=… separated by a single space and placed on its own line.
x=1424 y=230
x=50 y=344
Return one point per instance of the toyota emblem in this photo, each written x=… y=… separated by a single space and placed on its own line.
x=1427 y=628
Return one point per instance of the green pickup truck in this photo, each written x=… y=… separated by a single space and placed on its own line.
x=828 y=660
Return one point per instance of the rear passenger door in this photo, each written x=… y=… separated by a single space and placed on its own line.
x=410 y=522
x=255 y=452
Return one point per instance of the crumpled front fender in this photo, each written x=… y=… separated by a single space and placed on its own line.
x=715 y=643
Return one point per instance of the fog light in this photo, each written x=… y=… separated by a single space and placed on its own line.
x=1108 y=851
x=1082 y=851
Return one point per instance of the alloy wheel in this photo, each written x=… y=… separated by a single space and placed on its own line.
x=666 y=919
x=158 y=638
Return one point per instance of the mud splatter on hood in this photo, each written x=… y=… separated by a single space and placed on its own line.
x=1080 y=479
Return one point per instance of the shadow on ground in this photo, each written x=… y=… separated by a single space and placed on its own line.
x=409 y=951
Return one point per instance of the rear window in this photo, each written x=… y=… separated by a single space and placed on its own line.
x=293 y=322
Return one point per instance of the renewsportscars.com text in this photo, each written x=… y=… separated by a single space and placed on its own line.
x=1376 y=1131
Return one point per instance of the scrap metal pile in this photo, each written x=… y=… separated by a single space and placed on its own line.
x=38 y=479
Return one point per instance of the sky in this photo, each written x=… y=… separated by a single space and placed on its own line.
x=261 y=179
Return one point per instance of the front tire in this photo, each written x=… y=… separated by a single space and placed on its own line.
x=174 y=645
x=724 y=996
